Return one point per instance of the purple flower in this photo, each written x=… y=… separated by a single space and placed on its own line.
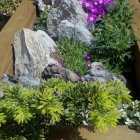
x=95 y=2
x=88 y=63
x=108 y=2
x=92 y=18
x=78 y=74
x=95 y=9
x=61 y=63
x=87 y=56
x=101 y=1
x=87 y=6
x=101 y=11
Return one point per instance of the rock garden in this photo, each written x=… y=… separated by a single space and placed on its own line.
x=73 y=69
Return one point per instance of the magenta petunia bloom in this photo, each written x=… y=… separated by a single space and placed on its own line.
x=92 y=18
x=95 y=2
x=101 y=1
x=87 y=6
x=88 y=63
x=95 y=9
x=87 y=56
x=108 y=2
x=101 y=11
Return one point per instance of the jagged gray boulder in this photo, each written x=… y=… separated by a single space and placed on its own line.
x=99 y=73
x=70 y=10
x=28 y=81
x=25 y=81
x=41 y=5
x=77 y=32
x=57 y=71
x=83 y=35
x=66 y=29
x=33 y=52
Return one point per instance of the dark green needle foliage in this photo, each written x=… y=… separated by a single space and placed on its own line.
x=72 y=53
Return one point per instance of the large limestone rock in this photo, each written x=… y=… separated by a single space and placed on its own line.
x=99 y=73
x=33 y=52
x=77 y=32
x=58 y=71
x=70 y=10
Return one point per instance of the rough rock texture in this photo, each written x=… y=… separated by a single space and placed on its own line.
x=70 y=10
x=26 y=81
x=33 y=52
x=66 y=29
x=41 y=5
x=77 y=32
x=55 y=70
x=83 y=35
x=98 y=72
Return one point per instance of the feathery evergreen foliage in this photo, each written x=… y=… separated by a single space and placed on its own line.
x=31 y=111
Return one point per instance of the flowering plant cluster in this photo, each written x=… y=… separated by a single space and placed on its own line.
x=95 y=9
x=87 y=56
x=130 y=114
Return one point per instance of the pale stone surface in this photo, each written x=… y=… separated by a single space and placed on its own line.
x=25 y=81
x=70 y=10
x=99 y=73
x=83 y=35
x=41 y=5
x=66 y=29
x=33 y=52
x=77 y=32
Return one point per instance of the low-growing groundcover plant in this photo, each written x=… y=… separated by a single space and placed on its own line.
x=27 y=113
x=72 y=54
x=130 y=114
x=41 y=20
x=114 y=38
x=7 y=7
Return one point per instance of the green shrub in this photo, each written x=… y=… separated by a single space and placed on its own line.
x=29 y=112
x=114 y=38
x=72 y=53
x=97 y=102
x=8 y=6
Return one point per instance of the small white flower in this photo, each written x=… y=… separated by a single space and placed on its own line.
x=128 y=121
x=125 y=105
x=85 y=123
x=137 y=114
x=136 y=101
x=122 y=113
x=121 y=110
